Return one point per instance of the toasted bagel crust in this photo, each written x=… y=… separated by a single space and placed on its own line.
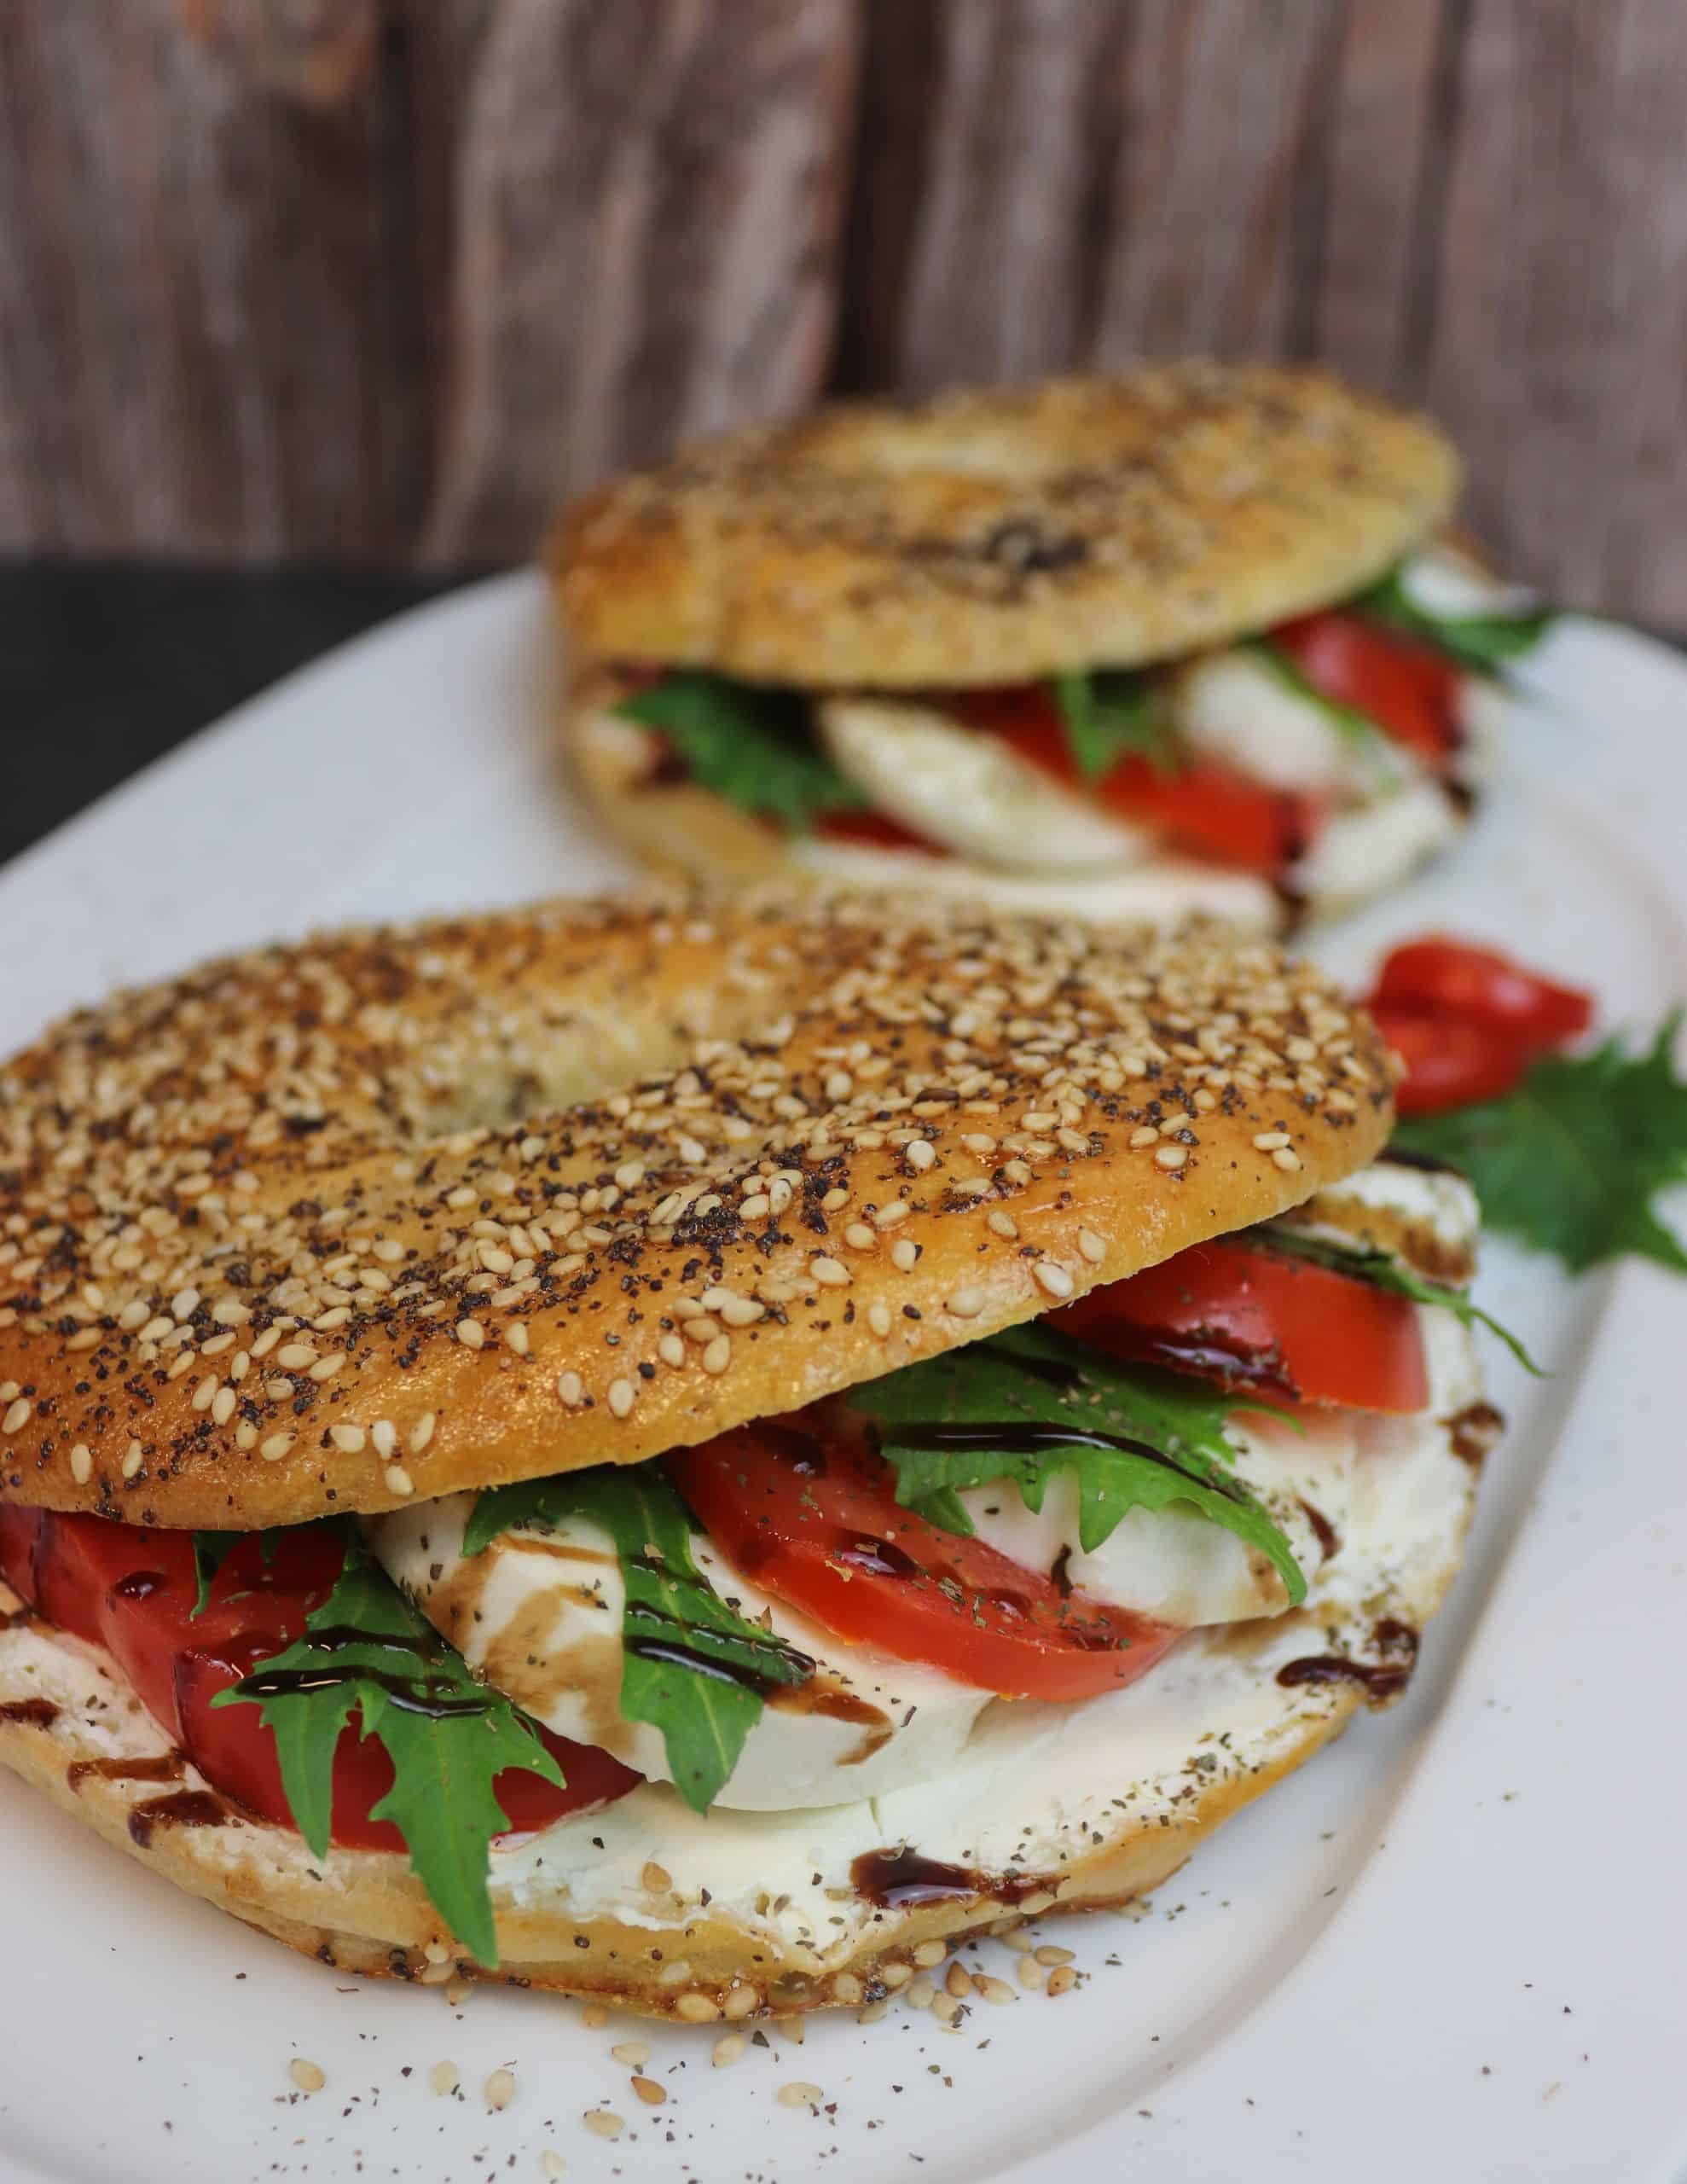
x=996 y=535
x=393 y=1212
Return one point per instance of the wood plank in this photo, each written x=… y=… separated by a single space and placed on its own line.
x=195 y=347
x=647 y=202
x=1560 y=297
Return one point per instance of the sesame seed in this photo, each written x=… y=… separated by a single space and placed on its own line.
x=831 y=1272
x=742 y=2002
x=657 y=1878
x=350 y=1439
x=1171 y=1156
x=308 y=2077
x=1063 y=1981
x=1053 y=1277
x=326 y=1367
x=799 y=2094
x=571 y=1390
x=385 y=1435
x=203 y=1392
x=697 y=2009
x=604 y=2122
x=727 y=2049
x=921 y=1991
x=1051 y=1953
x=675 y=1973
x=81 y=1463
x=1001 y=1224
x=272 y=1449
x=443 y=2077
x=398 y=1480
x=1270 y=1141
x=620 y=1397
x=966 y=1304
x=1286 y=1158
x=1146 y=1135
x=470 y=1334
x=741 y=1311
x=860 y=1237
x=929 y=1952
x=422 y=1433
x=1032 y=1977
x=649 y=2092
x=551 y=2163
x=945 y=2007
x=223 y=1404
x=887 y=1216
x=904 y=1255
x=296 y=1355
x=500 y=2088
x=879 y=1318
x=959 y=1980
x=17 y=1415
x=1092 y=1246
x=517 y=1339
x=920 y=1154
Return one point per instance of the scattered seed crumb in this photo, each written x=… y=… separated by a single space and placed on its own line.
x=604 y=2122
x=501 y=2089
x=649 y=2092
x=799 y=2094
x=308 y=2076
x=443 y=2077
x=551 y=2163
x=635 y=2053
x=728 y=2049
x=1061 y=1980
x=594 y=2017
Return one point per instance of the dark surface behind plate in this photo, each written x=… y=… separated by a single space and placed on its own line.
x=104 y=669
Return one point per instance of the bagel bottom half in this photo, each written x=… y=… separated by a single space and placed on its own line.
x=650 y=1907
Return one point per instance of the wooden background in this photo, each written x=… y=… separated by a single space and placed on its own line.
x=371 y=280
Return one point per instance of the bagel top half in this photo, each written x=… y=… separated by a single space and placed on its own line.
x=994 y=535
x=397 y=1212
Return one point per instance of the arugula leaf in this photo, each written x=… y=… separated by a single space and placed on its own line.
x=210 y=1551
x=1111 y=713
x=691 y=1666
x=1358 y=728
x=1485 y=643
x=1569 y=1161
x=753 y=746
x=1135 y=1439
x=448 y=1735
x=1387 y=1271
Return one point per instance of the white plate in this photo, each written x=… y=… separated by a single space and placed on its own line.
x=1452 y=1946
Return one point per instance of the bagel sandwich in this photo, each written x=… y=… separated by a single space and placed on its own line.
x=690 y=1455
x=1187 y=639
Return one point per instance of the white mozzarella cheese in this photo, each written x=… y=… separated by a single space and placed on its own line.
x=971 y=791
x=1451 y=586
x=1163 y=893
x=1233 y=708
x=539 y=1613
x=1362 y=852
x=1434 y=1200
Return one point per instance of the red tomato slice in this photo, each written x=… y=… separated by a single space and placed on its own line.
x=1439 y=975
x=132 y=1591
x=873 y=830
x=1406 y=687
x=1206 y=809
x=1215 y=813
x=1250 y=1318
x=813 y=1518
x=1450 y=1061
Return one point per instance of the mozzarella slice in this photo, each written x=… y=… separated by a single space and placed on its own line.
x=1234 y=708
x=1366 y=850
x=971 y=791
x=539 y=1614
x=1451 y=586
x=1163 y=891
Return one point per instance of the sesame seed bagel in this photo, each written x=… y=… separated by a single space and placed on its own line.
x=397 y=1212
x=992 y=535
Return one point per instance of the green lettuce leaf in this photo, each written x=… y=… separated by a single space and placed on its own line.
x=448 y=1735
x=753 y=746
x=691 y=1667
x=1485 y=643
x=1570 y=1161
x=1133 y=1438
x=210 y=1551
x=1111 y=713
x=1384 y=1270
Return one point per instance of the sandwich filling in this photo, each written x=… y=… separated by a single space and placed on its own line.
x=1313 y=765
x=979 y=1604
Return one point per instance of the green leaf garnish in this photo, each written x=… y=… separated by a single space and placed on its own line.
x=1384 y=1270
x=1570 y=1160
x=1110 y=713
x=691 y=1667
x=1134 y=1438
x=368 y=1651
x=1485 y=643
x=753 y=746
x=1357 y=728
x=210 y=1551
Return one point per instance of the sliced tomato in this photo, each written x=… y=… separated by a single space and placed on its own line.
x=1206 y=809
x=1250 y=1318
x=1438 y=975
x=1450 y=1061
x=1404 y=685
x=132 y=1591
x=1215 y=813
x=873 y=830
x=811 y=1516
